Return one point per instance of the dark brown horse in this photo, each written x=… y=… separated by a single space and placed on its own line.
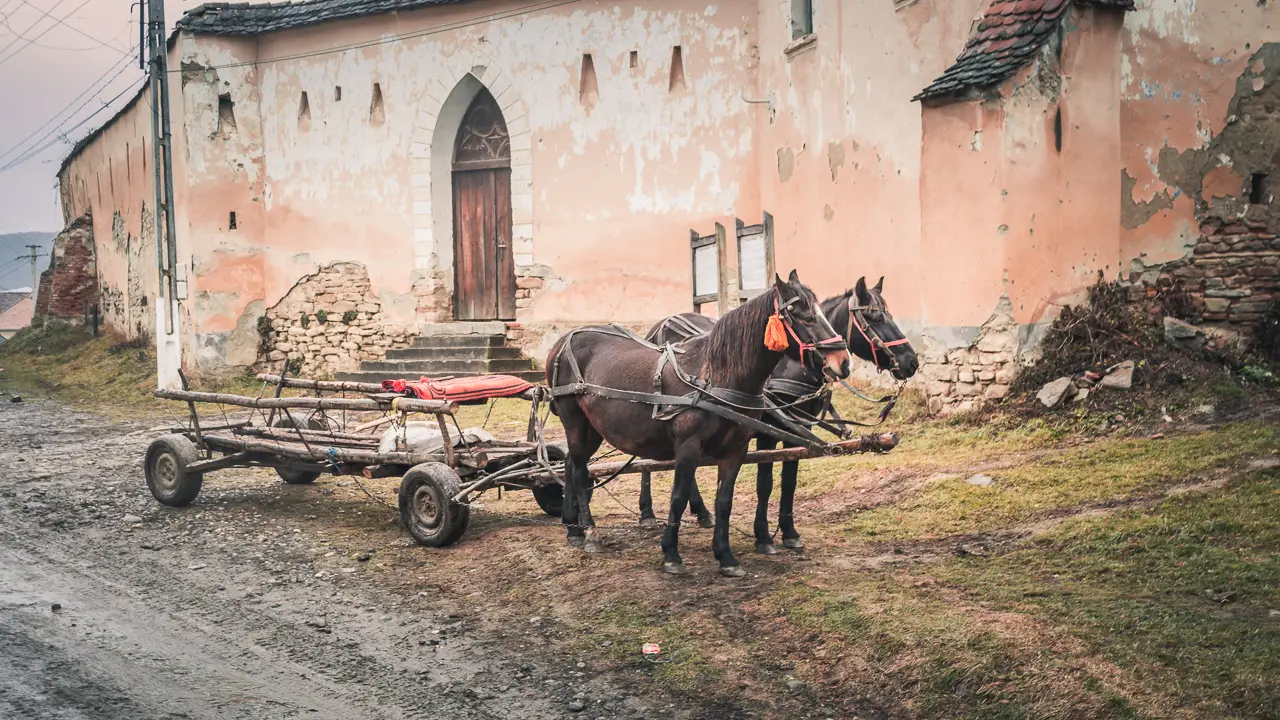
x=862 y=315
x=604 y=382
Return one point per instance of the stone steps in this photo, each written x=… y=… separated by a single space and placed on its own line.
x=450 y=349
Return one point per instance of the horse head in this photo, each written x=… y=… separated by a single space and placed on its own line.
x=874 y=336
x=808 y=331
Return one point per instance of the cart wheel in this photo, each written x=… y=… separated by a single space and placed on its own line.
x=297 y=477
x=551 y=497
x=166 y=470
x=427 y=508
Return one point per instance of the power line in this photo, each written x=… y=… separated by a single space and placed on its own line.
x=44 y=32
x=33 y=153
x=459 y=25
x=124 y=58
x=19 y=35
x=63 y=22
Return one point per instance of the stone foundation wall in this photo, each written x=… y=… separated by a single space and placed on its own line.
x=962 y=379
x=331 y=320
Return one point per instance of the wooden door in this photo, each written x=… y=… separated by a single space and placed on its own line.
x=483 y=261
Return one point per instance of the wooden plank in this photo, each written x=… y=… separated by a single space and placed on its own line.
x=321 y=454
x=468 y=233
x=402 y=403
x=722 y=257
x=505 y=270
x=326 y=385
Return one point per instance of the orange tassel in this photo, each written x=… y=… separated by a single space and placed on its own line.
x=775 y=334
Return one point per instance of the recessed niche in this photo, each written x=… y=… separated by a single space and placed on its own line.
x=1260 y=189
x=377 y=115
x=337 y=93
x=633 y=61
x=227 y=115
x=676 y=82
x=231 y=220
x=588 y=88
x=304 y=112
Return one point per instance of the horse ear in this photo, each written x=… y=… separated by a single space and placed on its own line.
x=880 y=285
x=779 y=284
x=795 y=278
x=861 y=291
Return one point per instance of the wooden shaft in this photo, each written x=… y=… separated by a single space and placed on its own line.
x=867 y=443
x=435 y=407
x=327 y=385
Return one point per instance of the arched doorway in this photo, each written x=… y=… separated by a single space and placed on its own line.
x=483 y=262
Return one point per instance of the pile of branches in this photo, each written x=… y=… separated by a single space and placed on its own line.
x=1112 y=326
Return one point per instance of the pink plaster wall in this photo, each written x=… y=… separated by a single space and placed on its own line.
x=1180 y=62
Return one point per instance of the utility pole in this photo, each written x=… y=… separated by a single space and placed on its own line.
x=168 y=353
x=35 y=270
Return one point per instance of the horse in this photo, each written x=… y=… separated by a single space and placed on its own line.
x=701 y=400
x=871 y=334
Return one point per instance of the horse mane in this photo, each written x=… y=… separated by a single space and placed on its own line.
x=731 y=348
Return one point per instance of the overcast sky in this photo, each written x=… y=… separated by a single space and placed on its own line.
x=50 y=52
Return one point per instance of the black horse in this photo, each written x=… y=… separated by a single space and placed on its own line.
x=871 y=334
x=685 y=404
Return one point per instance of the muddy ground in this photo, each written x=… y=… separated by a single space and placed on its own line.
x=113 y=607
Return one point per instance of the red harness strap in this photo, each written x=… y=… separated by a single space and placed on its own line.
x=800 y=343
x=872 y=343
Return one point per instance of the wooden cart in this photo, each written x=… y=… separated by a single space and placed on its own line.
x=301 y=438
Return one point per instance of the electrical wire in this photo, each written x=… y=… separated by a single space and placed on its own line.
x=63 y=22
x=21 y=35
x=133 y=87
x=44 y=32
x=117 y=67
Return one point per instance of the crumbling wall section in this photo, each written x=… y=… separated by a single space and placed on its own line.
x=72 y=278
x=1232 y=271
x=962 y=379
x=330 y=321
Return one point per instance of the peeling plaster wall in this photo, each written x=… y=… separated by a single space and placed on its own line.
x=840 y=146
x=1180 y=64
x=111 y=180
x=603 y=195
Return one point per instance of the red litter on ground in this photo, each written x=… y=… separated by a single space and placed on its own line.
x=650 y=649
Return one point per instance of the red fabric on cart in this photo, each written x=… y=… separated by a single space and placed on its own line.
x=464 y=389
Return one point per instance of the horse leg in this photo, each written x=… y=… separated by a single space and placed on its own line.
x=764 y=489
x=647 y=518
x=583 y=486
x=786 y=521
x=697 y=506
x=687 y=457
x=569 y=510
x=728 y=475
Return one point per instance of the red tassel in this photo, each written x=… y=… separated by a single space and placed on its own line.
x=775 y=334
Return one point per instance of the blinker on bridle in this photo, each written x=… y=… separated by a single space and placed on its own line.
x=856 y=320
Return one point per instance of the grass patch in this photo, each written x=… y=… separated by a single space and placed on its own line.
x=1091 y=474
x=1182 y=594
x=67 y=363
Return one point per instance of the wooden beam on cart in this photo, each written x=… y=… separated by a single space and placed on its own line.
x=434 y=407
x=337 y=454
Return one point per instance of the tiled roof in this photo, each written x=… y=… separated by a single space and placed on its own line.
x=1009 y=35
x=254 y=19
x=9 y=299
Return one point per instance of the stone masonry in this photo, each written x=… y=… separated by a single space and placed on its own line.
x=962 y=379
x=330 y=321
x=72 y=277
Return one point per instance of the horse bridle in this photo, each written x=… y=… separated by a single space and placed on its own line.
x=856 y=320
x=831 y=344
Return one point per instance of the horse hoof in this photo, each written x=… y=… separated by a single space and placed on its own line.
x=705 y=522
x=674 y=568
x=793 y=543
x=732 y=571
x=766 y=549
x=576 y=541
x=593 y=546
x=648 y=522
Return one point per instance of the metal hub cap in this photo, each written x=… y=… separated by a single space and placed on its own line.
x=426 y=510
x=166 y=472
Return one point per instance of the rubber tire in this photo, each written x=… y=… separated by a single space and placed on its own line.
x=297 y=477
x=443 y=483
x=551 y=497
x=182 y=452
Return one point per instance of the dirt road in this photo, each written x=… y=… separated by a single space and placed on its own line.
x=113 y=607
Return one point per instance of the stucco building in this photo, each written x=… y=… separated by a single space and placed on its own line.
x=406 y=164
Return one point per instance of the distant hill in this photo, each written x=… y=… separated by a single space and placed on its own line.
x=14 y=272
